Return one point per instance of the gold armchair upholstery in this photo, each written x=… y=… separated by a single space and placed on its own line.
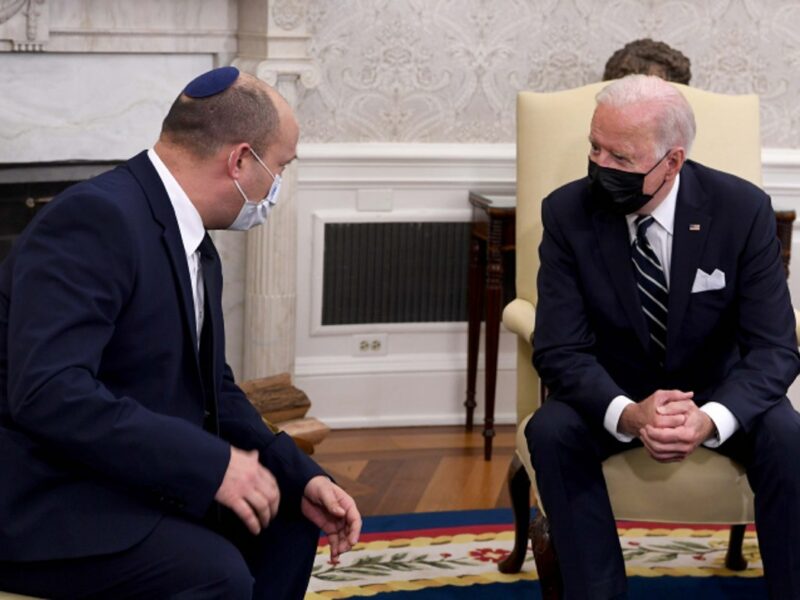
x=552 y=149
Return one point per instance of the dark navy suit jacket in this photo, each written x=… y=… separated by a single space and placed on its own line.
x=735 y=345
x=102 y=407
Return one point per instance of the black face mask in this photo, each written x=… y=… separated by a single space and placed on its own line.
x=620 y=192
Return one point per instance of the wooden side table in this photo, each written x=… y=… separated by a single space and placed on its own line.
x=493 y=234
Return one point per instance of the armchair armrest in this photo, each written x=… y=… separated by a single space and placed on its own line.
x=519 y=316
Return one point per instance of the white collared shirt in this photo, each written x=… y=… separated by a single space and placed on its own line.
x=660 y=235
x=190 y=226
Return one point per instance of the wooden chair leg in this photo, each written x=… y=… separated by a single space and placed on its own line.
x=734 y=559
x=519 y=487
x=546 y=560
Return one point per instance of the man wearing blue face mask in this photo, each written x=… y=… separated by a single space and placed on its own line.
x=663 y=320
x=255 y=213
x=131 y=465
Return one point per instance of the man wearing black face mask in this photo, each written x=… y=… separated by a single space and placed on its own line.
x=663 y=320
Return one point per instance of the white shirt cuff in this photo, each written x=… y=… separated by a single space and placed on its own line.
x=724 y=421
x=613 y=413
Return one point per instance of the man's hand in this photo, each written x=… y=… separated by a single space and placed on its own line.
x=331 y=509
x=663 y=408
x=671 y=444
x=249 y=490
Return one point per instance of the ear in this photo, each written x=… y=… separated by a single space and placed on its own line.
x=235 y=157
x=675 y=160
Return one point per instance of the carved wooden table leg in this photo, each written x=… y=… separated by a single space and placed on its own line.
x=494 y=300
x=493 y=224
x=474 y=313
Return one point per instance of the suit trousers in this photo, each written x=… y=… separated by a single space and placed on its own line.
x=567 y=453
x=184 y=560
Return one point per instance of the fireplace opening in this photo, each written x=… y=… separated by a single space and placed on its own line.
x=26 y=187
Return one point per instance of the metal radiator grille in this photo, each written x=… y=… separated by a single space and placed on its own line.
x=395 y=273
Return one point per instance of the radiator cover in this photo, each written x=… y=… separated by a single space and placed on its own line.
x=397 y=272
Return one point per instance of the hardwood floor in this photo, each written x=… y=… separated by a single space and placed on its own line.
x=418 y=469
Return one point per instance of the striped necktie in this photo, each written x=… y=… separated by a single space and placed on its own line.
x=652 y=286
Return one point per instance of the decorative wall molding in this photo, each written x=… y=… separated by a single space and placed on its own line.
x=780 y=169
x=114 y=26
x=211 y=41
x=409 y=364
x=288 y=14
x=274 y=42
x=347 y=164
x=273 y=46
x=406 y=165
x=24 y=24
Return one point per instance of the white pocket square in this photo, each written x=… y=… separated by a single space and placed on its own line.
x=703 y=282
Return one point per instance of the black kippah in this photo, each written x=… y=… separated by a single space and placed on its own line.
x=211 y=83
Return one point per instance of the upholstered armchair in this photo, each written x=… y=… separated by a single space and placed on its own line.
x=552 y=149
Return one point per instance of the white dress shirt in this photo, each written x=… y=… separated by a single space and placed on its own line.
x=660 y=235
x=190 y=226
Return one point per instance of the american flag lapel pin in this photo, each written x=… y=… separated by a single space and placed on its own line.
x=694 y=227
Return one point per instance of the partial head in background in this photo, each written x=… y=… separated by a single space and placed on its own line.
x=648 y=57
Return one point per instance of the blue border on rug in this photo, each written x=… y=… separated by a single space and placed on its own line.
x=436 y=520
x=639 y=588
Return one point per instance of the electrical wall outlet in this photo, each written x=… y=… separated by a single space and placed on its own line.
x=370 y=344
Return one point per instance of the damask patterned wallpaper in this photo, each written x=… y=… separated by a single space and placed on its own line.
x=448 y=70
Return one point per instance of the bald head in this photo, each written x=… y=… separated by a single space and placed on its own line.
x=249 y=111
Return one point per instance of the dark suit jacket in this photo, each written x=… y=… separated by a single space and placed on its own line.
x=735 y=346
x=101 y=395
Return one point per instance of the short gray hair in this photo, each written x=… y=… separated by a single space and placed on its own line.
x=675 y=124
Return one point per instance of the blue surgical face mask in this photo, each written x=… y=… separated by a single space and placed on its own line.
x=255 y=213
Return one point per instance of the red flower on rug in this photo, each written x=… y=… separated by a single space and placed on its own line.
x=494 y=555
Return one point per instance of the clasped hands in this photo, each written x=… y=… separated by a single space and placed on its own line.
x=669 y=423
x=250 y=491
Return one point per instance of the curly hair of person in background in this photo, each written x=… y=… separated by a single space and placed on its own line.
x=648 y=57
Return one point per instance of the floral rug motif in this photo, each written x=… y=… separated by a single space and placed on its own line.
x=467 y=555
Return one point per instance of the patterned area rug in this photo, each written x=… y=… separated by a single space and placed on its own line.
x=455 y=555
